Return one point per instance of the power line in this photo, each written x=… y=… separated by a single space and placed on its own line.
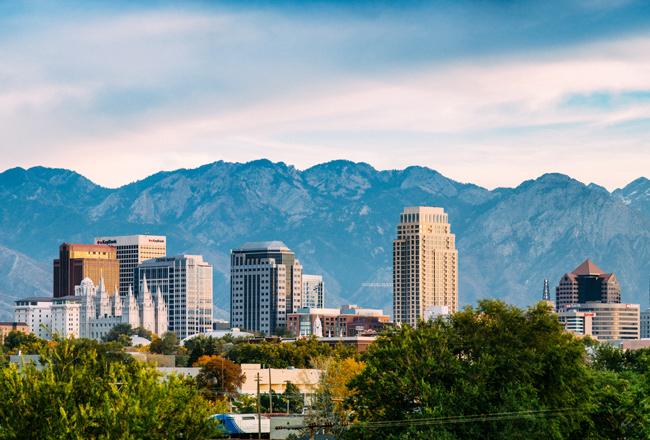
x=471 y=418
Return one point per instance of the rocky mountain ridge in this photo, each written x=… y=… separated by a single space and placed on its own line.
x=340 y=219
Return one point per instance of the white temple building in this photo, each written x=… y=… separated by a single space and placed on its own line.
x=99 y=313
x=91 y=313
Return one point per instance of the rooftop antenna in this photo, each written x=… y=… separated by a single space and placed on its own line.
x=547 y=295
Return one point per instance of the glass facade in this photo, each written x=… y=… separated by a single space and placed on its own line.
x=186 y=285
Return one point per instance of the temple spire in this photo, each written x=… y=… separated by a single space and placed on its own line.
x=101 y=283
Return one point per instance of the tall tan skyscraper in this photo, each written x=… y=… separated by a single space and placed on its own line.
x=425 y=264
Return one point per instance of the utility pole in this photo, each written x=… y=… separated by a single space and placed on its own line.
x=270 y=393
x=259 y=414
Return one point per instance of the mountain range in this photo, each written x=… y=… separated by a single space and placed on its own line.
x=339 y=218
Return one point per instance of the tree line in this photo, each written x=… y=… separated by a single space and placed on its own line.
x=489 y=371
x=495 y=371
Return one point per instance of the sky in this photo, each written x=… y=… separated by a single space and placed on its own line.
x=486 y=92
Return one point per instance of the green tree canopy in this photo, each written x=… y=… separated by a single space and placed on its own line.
x=16 y=339
x=282 y=355
x=245 y=404
x=168 y=344
x=294 y=398
x=282 y=331
x=143 y=333
x=82 y=393
x=119 y=333
x=494 y=360
x=200 y=345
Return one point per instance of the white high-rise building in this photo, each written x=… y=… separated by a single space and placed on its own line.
x=133 y=250
x=185 y=283
x=313 y=291
x=265 y=285
x=425 y=264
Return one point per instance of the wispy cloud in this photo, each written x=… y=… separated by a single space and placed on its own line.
x=469 y=89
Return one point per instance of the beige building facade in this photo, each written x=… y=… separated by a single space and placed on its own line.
x=425 y=264
x=132 y=250
x=609 y=321
x=306 y=379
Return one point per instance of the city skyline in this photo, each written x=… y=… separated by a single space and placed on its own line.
x=118 y=92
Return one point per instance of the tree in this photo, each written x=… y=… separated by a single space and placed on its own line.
x=294 y=398
x=119 y=333
x=83 y=394
x=519 y=367
x=245 y=404
x=282 y=331
x=203 y=346
x=168 y=344
x=143 y=333
x=219 y=377
x=16 y=339
x=331 y=392
x=282 y=355
x=621 y=385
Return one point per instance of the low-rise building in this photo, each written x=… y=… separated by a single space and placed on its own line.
x=8 y=327
x=349 y=320
x=306 y=379
x=610 y=321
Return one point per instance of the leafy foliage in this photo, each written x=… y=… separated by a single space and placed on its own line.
x=94 y=391
x=201 y=345
x=119 y=333
x=29 y=343
x=294 y=398
x=331 y=393
x=219 y=377
x=143 y=333
x=492 y=359
x=621 y=386
x=282 y=355
x=282 y=331
x=168 y=344
x=245 y=404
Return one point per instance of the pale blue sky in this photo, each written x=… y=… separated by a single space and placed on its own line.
x=488 y=92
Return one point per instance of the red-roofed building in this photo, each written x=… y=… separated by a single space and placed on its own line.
x=587 y=283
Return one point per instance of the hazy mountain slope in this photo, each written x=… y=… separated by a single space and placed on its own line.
x=547 y=227
x=20 y=277
x=340 y=219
